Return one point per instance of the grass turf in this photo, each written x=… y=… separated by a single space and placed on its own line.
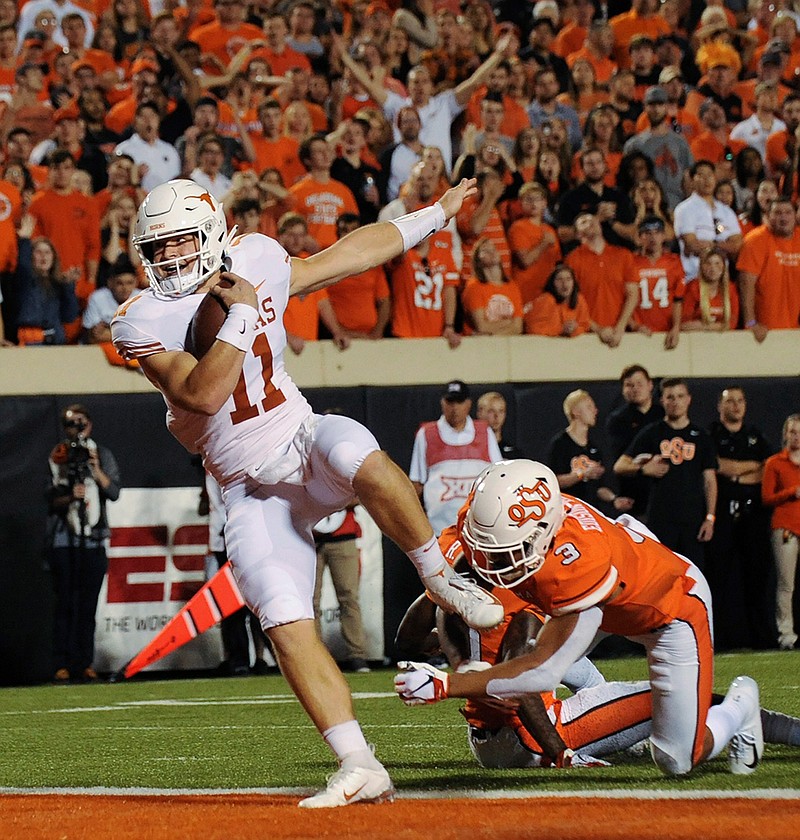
x=250 y=732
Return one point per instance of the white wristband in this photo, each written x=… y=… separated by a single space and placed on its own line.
x=414 y=227
x=239 y=326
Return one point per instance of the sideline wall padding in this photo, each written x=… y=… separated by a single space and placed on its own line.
x=132 y=425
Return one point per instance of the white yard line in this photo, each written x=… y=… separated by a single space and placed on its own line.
x=757 y=794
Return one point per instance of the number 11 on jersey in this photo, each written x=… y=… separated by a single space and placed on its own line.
x=273 y=397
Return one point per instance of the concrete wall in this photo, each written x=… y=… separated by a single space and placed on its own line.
x=47 y=370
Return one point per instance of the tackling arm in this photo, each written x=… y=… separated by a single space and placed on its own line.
x=562 y=641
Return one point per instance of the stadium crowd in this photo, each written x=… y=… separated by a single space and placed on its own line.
x=656 y=142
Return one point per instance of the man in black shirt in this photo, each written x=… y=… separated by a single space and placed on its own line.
x=623 y=424
x=492 y=409
x=738 y=557
x=678 y=457
x=611 y=206
x=576 y=459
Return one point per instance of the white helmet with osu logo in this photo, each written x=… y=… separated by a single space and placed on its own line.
x=515 y=512
x=181 y=208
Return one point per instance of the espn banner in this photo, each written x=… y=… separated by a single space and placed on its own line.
x=157 y=561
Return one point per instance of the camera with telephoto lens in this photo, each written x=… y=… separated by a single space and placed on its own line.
x=77 y=454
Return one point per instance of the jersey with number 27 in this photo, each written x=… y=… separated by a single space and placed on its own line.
x=266 y=407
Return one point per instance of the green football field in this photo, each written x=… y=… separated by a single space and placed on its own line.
x=250 y=733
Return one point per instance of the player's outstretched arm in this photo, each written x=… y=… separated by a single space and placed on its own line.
x=376 y=244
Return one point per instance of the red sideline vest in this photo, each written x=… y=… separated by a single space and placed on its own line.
x=451 y=472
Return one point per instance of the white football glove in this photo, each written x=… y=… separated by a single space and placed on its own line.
x=570 y=759
x=420 y=683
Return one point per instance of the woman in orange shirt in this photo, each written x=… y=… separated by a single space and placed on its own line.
x=561 y=309
x=527 y=146
x=297 y=122
x=492 y=302
x=780 y=489
x=710 y=302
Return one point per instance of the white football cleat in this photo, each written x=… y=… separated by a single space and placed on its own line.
x=453 y=593
x=747 y=745
x=358 y=785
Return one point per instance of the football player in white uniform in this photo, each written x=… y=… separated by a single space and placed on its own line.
x=281 y=467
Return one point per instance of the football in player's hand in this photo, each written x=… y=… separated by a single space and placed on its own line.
x=205 y=324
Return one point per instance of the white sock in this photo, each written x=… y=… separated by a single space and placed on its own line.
x=349 y=745
x=723 y=721
x=428 y=558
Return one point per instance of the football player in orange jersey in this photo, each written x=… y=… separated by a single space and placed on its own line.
x=595 y=576
x=599 y=719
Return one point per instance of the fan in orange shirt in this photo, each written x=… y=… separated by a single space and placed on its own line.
x=425 y=291
x=479 y=217
x=303 y=312
x=273 y=148
x=515 y=117
x=296 y=91
x=492 y=302
x=642 y=19
x=362 y=302
x=781 y=144
x=280 y=56
x=769 y=272
x=228 y=33
x=598 y=50
x=710 y=302
x=603 y=273
x=69 y=220
x=574 y=32
x=766 y=193
x=560 y=310
x=659 y=277
x=586 y=93
x=318 y=197
x=10 y=215
x=535 y=248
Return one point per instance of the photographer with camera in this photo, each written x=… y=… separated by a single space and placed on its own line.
x=84 y=476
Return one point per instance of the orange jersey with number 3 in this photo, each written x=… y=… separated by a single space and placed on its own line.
x=640 y=582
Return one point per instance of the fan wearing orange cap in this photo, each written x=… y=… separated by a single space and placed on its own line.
x=720 y=65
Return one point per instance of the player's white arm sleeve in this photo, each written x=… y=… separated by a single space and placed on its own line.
x=416 y=226
x=550 y=673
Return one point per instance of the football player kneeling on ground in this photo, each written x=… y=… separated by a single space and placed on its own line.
x=593 y=575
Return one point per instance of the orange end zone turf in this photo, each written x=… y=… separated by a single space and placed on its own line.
x=78 y=817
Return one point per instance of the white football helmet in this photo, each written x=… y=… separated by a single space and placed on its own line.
x=175 y=208
x=515 y=512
